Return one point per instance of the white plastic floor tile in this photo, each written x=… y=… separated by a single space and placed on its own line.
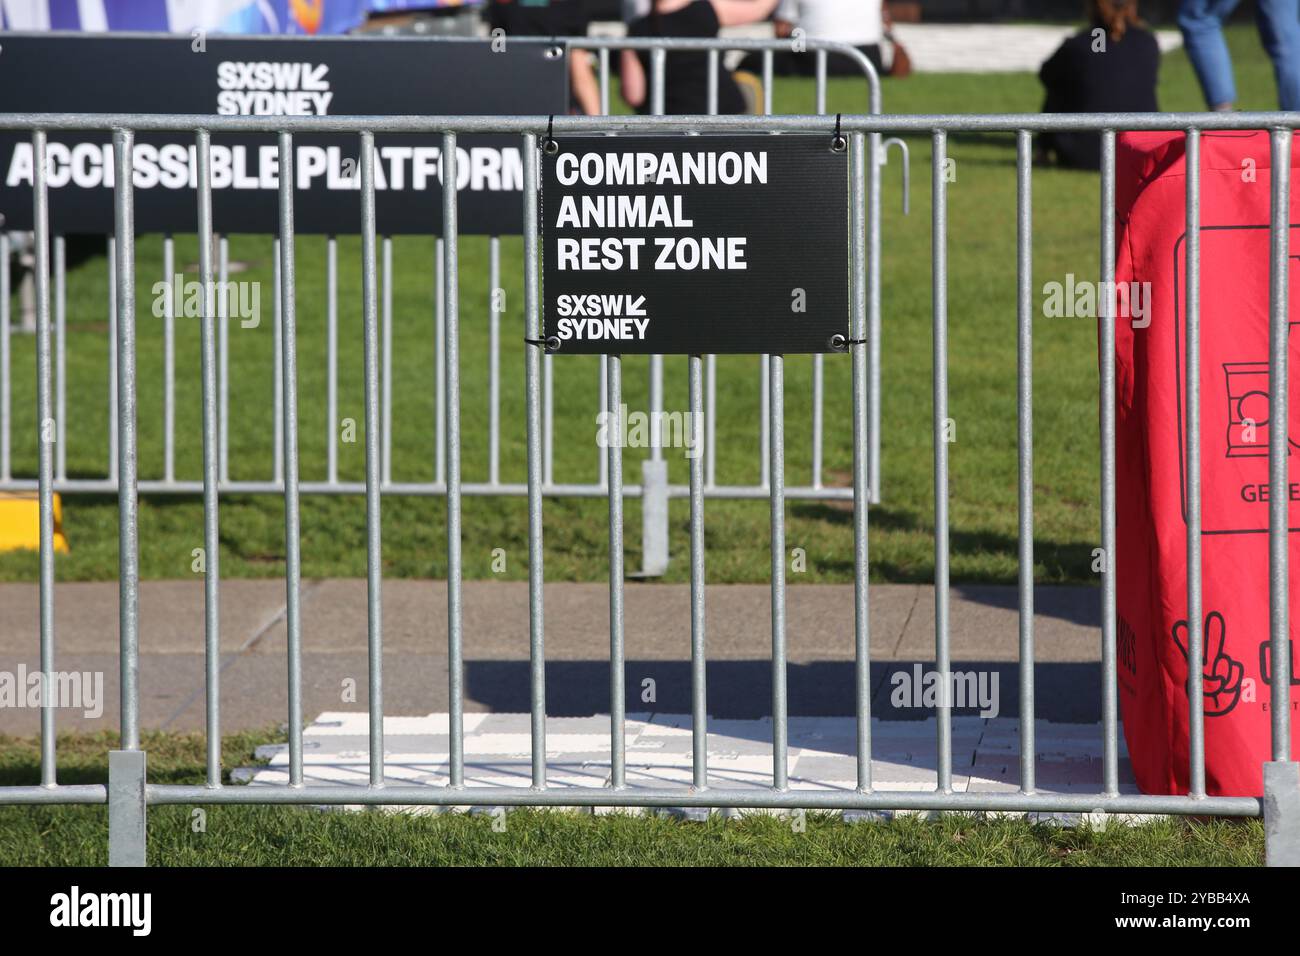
x=822 y=753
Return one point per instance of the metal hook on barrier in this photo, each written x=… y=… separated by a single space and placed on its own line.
x=907 y=162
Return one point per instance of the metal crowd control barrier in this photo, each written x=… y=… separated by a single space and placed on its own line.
x=654 y=488
x=128 y=794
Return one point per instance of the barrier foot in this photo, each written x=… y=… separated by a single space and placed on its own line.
x=654 y=518
x=1282 y=813
x=126 y=808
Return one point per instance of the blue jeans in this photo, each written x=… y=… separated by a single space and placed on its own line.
x=1279 y=28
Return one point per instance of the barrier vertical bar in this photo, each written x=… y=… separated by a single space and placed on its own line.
x=292 y=534
x=1192 y=363
x=452 y=378
x=861 y=478
x=1109 y=692
x=711 y=84
x=386 y=426
x=548 y=419
x=873 y=303
x=211 y=471
x=6 y=381
x=818 y=360
x=494 y=361
x=126 y=767
x=114 y=440
x=602 y=459
x=764 y=385
x=603 y=468
x=699 y=698
x=277 y=293
x=439 y=366
x=60 y=358
x=374 y=521
x=46 y=437
x=1282 y=774
x=776 y=431
x=703 y=402
x=169 y=364
x=332 y=358
x=711 y=361
x=532 y=385
x=939 y=257
x=1025 y=446
x=617 y=696
x=223 y=354
x=711 y=421
x=820 y=60
x=658 y=65
x=603 y=57
x=767 y=82
x=654 y=469
x=1279 y=611
x=128 y=529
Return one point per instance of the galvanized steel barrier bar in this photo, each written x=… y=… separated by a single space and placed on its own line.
x=127 y=793
x=1025 y=445
x=1195 y=622
x=211 y=465
x=374 y=431
x=1109 y=676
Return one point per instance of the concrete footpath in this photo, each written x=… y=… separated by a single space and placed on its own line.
x=819 y=628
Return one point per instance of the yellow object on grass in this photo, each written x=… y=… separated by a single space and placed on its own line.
x=20 y=522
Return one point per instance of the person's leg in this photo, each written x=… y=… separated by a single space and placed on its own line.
x=1279 y=29
x=1202 y=24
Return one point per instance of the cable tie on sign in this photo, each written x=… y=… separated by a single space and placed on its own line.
x=549 y=145
x=838 y=143
x=548 y=345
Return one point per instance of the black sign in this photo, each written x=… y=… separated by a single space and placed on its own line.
x=341 y=76
x=695 y=244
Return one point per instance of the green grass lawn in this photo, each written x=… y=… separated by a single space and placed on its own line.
x=982 y=289
x=288 y=836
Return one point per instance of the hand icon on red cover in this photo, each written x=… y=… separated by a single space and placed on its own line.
x=1220 y=673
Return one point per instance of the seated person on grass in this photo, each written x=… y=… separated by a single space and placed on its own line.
x=1110 y=67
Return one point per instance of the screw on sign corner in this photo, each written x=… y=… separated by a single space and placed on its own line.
x=839 y=142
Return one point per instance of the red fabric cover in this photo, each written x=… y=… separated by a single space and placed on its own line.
x=1150 y=481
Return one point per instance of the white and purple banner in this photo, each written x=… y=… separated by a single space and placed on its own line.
x=284 y=17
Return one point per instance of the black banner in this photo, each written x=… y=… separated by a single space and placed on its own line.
x=338 y=76
x=695 y=244
x=303 y=907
